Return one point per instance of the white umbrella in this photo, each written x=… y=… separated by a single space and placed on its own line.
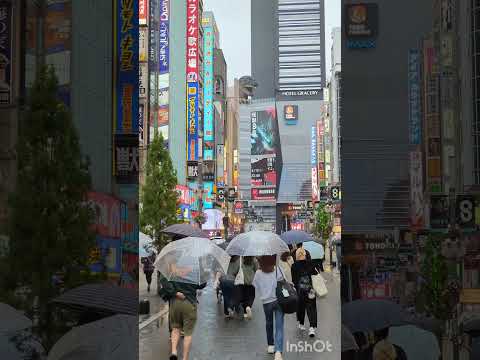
x=417 y=343
x=191 y=260
x=109 y=338
x=12 y=320
x=257 y=243
x=144 y=240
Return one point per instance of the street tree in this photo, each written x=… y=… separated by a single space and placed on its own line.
x=50 y=220
x=158 y=195
x=323 y=222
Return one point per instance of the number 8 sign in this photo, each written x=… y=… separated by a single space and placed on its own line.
x=335 y=193
x=466 y=211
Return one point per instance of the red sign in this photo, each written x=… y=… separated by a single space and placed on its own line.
x=184 y=192
x=107 y=214
x=375 y=291
x=142 y=12
x=264 y=193
x=192 y=40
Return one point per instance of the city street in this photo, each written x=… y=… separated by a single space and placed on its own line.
x=219 y=339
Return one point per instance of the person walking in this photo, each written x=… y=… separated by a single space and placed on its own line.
x=244 y=291
x=149 y=268
x=227 y=285
x=300 y=246
x=285 y=263
x=265 y=283
x=302 y=271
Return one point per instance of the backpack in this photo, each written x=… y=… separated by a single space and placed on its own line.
x=287 y=297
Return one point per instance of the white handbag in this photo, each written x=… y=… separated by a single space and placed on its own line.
x=239 y=279
x=318 y=283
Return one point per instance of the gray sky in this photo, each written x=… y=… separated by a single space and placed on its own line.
x=233 y=20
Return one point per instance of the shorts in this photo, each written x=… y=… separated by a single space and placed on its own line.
x=183 y=316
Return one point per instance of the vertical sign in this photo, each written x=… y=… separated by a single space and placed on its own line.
x=5 y=53
x=126 y=79
x=164 y=51
x=192 y=79
x=208 y=88
x=142 y=12
x=315 y=193
x=414 y=96
x=417 y=218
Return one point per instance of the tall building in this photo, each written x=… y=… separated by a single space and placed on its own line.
x=335 y=88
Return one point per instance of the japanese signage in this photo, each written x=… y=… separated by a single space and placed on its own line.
x=192 y=169
x=208 y=153
x=192 y=121
x=126 y=158
x=323 y=193
x=335 y=193
x=126 y=66
x=130 y=225
x=142 y=121
x=208 y=122
x=416 y=191
x=313 y=160
x=263 y=172
x=208 y=195
x=208 y=173
x=192 y=40
x=264 y=193
x=439 y=212
x=107 y=211
x=361 y=25
x=106 y=256
x=164 y=51
x=414 y=96
x=143 y=44
x=142 y=12
x=465 y=211
x=143 y=80
x=290 y=113
x=239 y=206
x=5 y=53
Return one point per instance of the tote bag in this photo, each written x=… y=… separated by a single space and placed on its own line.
x=287 y=297
x=319 y=286
x=239 y=279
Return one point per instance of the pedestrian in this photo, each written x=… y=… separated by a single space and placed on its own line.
x=149 y=268
x=285 y=263
x=300 y=246
x=302 y=271
x=227 y=284
x=182 y=311
x=381 y=338
x=244 y=291
x=265 y=282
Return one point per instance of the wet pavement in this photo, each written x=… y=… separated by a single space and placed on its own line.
x=217 y=338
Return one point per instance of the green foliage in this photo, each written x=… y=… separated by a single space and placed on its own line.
x=158 y=195
x=323 y=222
x=50 y=219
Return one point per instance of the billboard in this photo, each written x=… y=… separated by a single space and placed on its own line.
x=214 y=219
x=208 y=153
x=142 y=12
x=192 y=121
x=313 y=160
x=130 y=229
x=417 y=218
x=6 y=39
x=192 y=41
x=126 y=67
x=208 y=195
x=126 y=158
x=263 y=172
x=414 y=96
x=267 y=193
x=264 y=132
x=106 y=256
x=107 y=214
x=361 y=25
x=208 y=119
x=290 y=114
x=164 y=52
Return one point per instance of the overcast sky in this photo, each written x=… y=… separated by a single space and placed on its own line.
x=233 y=20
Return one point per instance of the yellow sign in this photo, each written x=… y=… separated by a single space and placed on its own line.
x=470 y=296
x=337 y=229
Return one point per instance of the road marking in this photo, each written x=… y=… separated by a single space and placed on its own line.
x=152 y=318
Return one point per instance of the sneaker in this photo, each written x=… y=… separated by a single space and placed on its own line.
x=271 y=349
x=278 y=356
x=231 y=313
x=248 y=314
x=311 y=332
x=173 y=357
x=301 y=327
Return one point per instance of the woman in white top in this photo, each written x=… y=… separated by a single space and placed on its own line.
x=265 y=282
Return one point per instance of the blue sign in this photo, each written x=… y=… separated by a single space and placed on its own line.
x=208 y=118
x=126 y=66
x=361 y=44
x=194 y=206
x=164 y=51
x=414 y=96
x=130 y=230
x=192 y=121
x=106 y=256
x=208 y=195
x=314 y=146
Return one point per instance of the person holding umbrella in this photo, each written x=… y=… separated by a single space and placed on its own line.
x=148 y=268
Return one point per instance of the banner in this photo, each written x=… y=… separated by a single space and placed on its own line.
x=126 y=158
x=264 y=132
x=126 y=67
x=106 y=256
x=208 y=124
x=130 y=230
x=268 y=193
x=263 y=172
x=107 y=214
x=192 y=121
x=6 y=56
x=164 y=51
x=417 y=218
x=414 y=92
x=142 y=12
x=192 y=41
x=208 y=195
x=143 y=44
x=439 y=212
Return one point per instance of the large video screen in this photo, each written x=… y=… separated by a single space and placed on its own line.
x=264 y=132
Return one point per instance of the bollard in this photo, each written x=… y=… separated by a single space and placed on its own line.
x=144 y=307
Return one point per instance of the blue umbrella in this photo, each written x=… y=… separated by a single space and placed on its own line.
x=295 y=236
x=315 y=249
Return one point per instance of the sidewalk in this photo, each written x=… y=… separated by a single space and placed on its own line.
x=219 y=339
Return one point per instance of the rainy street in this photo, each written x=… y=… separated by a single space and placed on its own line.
x=219 y=339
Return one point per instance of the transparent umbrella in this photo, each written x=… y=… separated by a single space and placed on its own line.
x=257 y=243
x=192 y=260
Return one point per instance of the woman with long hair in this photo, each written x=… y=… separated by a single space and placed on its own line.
x=265 y=282
x=244 y=293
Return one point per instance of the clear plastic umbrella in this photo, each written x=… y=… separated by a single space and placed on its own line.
x=417 y=343
x=192 y=260
x=257 y=243
x=145 y=242
x=12 y=319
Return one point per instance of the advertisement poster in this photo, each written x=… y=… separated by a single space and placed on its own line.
x=163 y=97
x=58 y=27
x=290 y=113
x=264 y=132
x=6 y=21
x=214 y=219
x=208 y=171
x=126 y=158
x=361 y=25
x=208 y=153
x=417 y=220
x=106 y=256
x=194 y=203
x=192 y=41
x=130 y=231
x=263 y=172
x=126 y=66
x=208 y=124
x=129 y=275
x=208 y=195
x=192 y=121
x=107 y=214
x=142 y=12
x=143 y=44
x=439 y=212
x=264 y=193
x=414 y=92
x=164 y=52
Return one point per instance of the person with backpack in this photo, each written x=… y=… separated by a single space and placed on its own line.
x=149 y=268
x=302 y=271
x=265 y=283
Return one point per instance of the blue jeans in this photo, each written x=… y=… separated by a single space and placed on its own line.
x=273 y=310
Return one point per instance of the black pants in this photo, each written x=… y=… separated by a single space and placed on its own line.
x=227 y=291
x=148 y=275
x=310 y=307
x=244 y=295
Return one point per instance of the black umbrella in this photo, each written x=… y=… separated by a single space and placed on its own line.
x=295 y=237
x=179 y=231
x=101 y=299
x=470 y=323
x=371 y=315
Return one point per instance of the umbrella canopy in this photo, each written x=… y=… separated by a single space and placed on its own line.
x=183 y=230
x=417 y=343
x=470 y=322
x=315 y=249
x=257 y=243
x=296 y=236
x=29 y=346
x=144 y=241
x=348 y=340
x=12 y=320
x=191 y=260
x=371 y=315
x=109 y=338
x=100 y=298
